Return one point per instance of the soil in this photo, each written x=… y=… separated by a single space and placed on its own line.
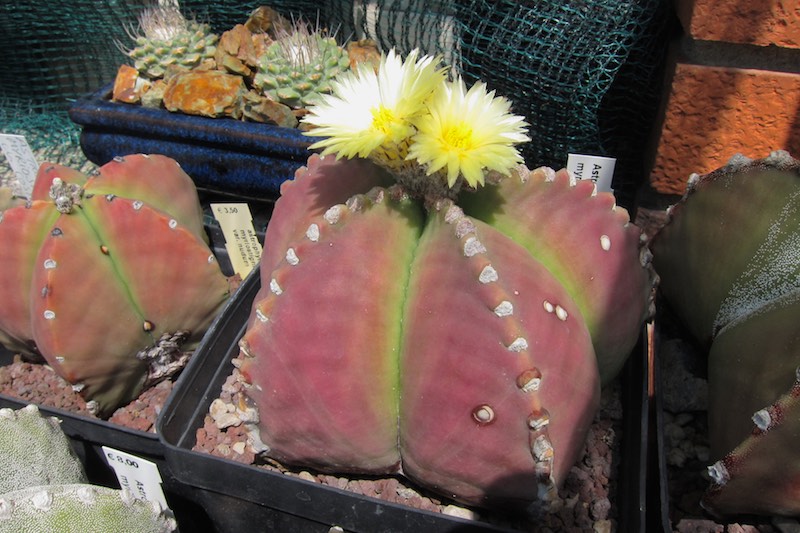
x=38 y=383
x=585 y=502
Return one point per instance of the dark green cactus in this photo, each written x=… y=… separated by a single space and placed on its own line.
x=97 y=272
x=389 y=336
x=729 y=263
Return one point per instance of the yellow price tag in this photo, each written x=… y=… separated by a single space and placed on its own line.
x=241 y=241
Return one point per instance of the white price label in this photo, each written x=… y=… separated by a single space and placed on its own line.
x=241 y=240
x=593 y=167
x=139 y=476
x=22 y=161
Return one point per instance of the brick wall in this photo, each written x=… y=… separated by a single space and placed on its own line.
x=733 y=86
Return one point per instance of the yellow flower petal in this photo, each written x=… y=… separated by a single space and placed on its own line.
x=369 y=113
x=467 y=132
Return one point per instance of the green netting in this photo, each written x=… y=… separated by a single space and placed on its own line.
x=585 y=73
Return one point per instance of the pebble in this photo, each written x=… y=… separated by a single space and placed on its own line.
x=603 y=526
x=459 y=512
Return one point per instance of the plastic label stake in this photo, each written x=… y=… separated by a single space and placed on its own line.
x=139 y=476
x=22 y=161
x=593 y=167
x=241 y=240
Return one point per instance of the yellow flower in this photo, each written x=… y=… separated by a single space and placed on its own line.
x=467 y=132
x=371 y=113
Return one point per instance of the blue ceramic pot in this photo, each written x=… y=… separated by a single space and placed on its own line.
x=247 y=159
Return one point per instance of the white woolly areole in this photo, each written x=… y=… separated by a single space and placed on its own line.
x=333 y=214
x=488 y=275
x=541 y=448
x=473 y=247
x=464 y=227
x=453 y=214
x=605 y=242
x=505 y=308
x=538 y=423
x=87 y=495
x=291 y=257
x=762 y=419
x=275 y=287
x=6 y=508
x=719 y=473
x=312 y=233
x=532 y=385
x=42 y=500
x=518 y=345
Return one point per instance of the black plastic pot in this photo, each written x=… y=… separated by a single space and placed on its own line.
x=88 y=436
x=241 y=497
x=220 y=154
x=677 y=492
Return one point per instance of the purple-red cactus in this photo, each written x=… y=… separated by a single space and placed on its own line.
x=729 y=262
x=586 y=241
x=101 y=275
x=392 y=337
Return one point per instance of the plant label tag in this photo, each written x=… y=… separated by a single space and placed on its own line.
x=241 y=240
x=593 y=167
x=137 y=475
x=22 y=161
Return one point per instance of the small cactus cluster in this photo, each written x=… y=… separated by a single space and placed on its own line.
x=43 y=486
x=103 y=276
x=264 y=70
x=729 y=263
x=299 y=66
x=168 y=40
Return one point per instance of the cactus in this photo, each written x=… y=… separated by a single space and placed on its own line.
x=43 y=486
x=299 y=66
x=397 y=332
x=34 y=451
x=587 y=257
x=80 y=507
x=728 y=262
x=104 y=275
x=350 y=424
x=168 y=39
x=8 y=198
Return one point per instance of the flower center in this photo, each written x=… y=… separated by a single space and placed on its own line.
x=383 y=119
x=458 y=137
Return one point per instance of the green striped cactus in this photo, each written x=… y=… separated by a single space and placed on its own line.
x=104 y=275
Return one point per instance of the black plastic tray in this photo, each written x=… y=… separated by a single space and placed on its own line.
x=241 y=497
x=220 y=154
